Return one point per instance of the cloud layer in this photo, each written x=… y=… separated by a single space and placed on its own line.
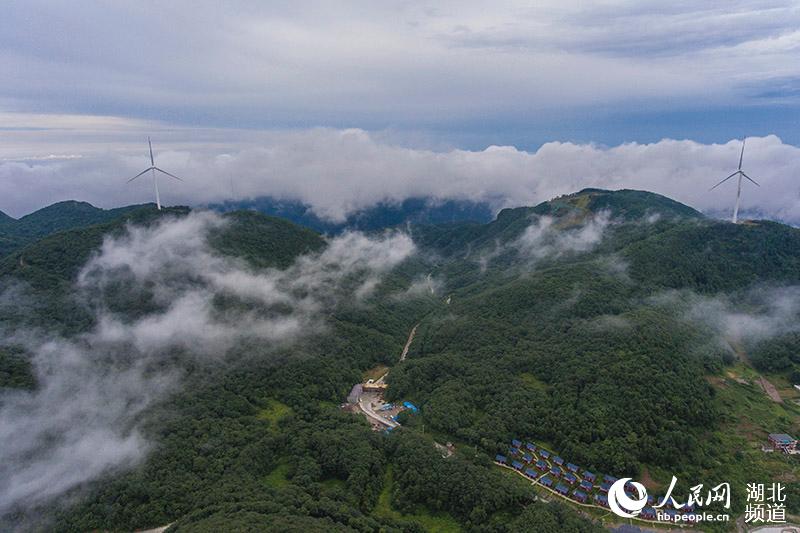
x=338 y=171
x=542 y=239
x=390 y=62
x=83 y=418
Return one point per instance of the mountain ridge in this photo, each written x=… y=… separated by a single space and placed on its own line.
x=590 y=322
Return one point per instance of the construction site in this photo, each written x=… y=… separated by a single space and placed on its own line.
x=367 y=398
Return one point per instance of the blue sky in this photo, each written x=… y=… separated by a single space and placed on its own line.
x=443 y=76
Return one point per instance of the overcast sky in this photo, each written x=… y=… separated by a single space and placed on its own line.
x=344 y=103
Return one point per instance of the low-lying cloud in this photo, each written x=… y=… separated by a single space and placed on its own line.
x=340 y=171
x=544 y=239
x=548 y=238
x=740 y=320
x=84 y=415
x=757 y=315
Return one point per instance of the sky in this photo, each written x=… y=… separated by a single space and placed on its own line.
x=347 y=103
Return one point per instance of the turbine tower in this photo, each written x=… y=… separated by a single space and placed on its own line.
x=741 y=174
x=153 y=168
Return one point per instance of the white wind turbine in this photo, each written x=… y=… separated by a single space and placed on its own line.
x=153 y=168
x=741 y=174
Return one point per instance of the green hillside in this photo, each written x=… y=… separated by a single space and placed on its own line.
x=61 y=216
x=582 y=324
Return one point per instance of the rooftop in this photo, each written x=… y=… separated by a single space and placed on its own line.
x=782 y=438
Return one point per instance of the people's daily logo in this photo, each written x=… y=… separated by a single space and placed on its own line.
x=622 y=504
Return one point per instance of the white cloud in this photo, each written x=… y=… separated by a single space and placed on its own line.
x=83 y=417
x=736 y=320
x=544 y=239
x=338 y=171
x=757 y=315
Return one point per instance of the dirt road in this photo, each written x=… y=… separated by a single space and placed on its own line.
x=408 y=342
x=768 y=388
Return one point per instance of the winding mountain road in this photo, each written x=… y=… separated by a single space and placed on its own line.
x=366 y=399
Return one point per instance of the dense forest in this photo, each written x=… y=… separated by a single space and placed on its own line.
x=597 y=324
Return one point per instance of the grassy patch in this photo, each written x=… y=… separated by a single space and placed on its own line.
x=433 y=522
x=274 y=411
x=748 y=416
x=323 y=404
x=533 y=382
x=784 y=385
x=334 y=484
x=375 y=372
x=517 y=479
x=277 y=478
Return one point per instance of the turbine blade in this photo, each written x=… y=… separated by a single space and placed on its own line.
x=723 y=181
x=153 y=163
x=168 y=174
x=751 y=179
x=140 y=173
x=741 y=155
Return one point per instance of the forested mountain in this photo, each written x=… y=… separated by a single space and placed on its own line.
x=15 y=233
x=623 y=330
x=382 y=215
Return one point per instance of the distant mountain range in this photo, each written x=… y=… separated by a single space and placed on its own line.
x=379 y=216
x=71 y=214
x=612 y=327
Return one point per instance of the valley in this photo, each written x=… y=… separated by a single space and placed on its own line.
x=583 y=324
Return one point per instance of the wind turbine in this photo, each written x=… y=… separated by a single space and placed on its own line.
x=153 y=168
x=741 y=174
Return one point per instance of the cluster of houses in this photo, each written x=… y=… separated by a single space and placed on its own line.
x=570 y=480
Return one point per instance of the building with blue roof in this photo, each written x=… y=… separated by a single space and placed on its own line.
x=782 y=441
x=570 y=478
x=589 y=476
x=648 y=513
x=609 y=479
x=531 y=473
x=602 y=499
x=605 y=487
x=572 y=468
x=541 y=465
x=558 y=460
x=517 y=465
x=546 y=481
x=515 y=443
x=544 y=454
x=586 y=485
x=527 y=458
x=501 y=458
x=562 y=489
x=531 y=446
x=409 y=405
x=579 y=496
x=555 y=471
